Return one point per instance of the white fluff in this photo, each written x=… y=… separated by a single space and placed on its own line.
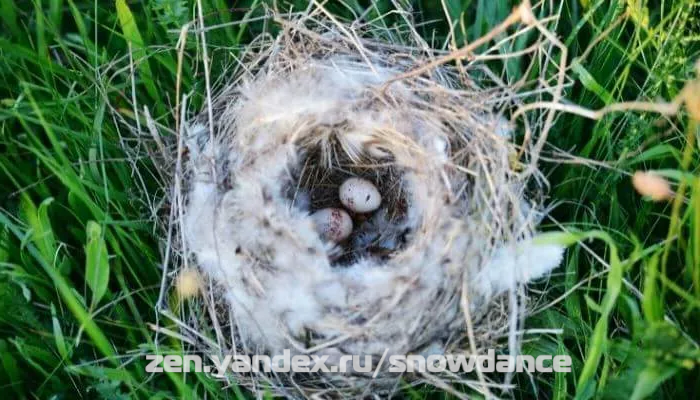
x=518 y=264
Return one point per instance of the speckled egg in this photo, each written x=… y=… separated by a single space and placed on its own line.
x=333 y=224
x=360 y=195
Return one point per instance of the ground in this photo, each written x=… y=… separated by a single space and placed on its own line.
x=80 y=258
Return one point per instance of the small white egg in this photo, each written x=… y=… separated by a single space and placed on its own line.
x=333 y=224
x=360 y=195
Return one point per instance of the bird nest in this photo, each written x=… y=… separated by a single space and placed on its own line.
x=438 y=268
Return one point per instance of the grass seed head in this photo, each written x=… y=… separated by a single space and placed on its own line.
x=188 y=283
x=652 y=185
x=692 y=99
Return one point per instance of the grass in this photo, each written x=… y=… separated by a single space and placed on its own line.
x=80 y=260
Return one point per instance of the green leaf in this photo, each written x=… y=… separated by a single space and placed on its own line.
x=58 y=334
x=649 y=380
x=133 y=36
x=41 y=231
x=9 y=16
x=10 y=367
x=652 y=305
x=590 y=83
x=659 y=152
x=96 y=262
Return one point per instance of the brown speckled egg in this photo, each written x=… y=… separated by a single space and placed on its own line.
x=333 y=224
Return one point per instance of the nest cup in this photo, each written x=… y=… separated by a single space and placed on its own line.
x=437 y=269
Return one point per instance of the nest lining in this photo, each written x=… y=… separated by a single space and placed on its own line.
x=454 y=227
x=315 y=186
